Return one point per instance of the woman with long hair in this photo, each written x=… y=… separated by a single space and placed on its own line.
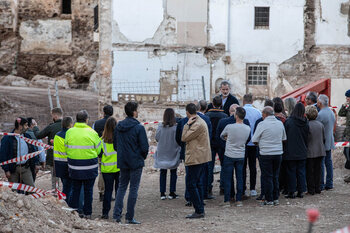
x=109 y=169
x=289 y=105
x=297 y=130
x=167 y=155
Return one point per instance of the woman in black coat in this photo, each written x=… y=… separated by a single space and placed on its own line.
x=297 y=129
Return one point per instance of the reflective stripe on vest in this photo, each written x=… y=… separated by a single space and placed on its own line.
x=82 y=167
x=82 y=143
x=109 y=159
x=105 y=150
x=83 y=147
x=59 y=151
x=61 y=159
x=109 y=164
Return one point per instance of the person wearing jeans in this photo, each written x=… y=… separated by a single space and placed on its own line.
x=269 y=135
x=167 y=155
x=196 y=136
x=132 y=177
x=327 y=118
x=252 y=114
x=233 y=165
x=237 y=136
x=131 y=144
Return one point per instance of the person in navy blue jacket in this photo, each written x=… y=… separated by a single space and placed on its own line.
x=131 y=143
x=215 y=114
x=14 y=147
x=221 y=126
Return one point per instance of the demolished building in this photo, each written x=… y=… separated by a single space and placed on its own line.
x=176 y=50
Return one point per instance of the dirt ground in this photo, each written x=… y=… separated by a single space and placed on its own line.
x=169 y=215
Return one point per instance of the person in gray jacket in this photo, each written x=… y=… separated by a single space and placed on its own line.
x=315 y=151
x=167 y=155
x=327 y=118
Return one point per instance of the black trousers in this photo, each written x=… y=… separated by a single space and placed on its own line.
x=313 y=175
x=250 y=159
x=283 y=176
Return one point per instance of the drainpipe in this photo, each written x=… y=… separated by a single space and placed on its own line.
x=228 y=25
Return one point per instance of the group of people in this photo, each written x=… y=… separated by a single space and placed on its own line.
x=78 y=152
x=292 y=144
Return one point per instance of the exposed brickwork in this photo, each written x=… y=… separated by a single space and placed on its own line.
x=29 y=64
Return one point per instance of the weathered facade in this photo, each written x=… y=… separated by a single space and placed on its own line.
x=48 y=37
x=167 y=50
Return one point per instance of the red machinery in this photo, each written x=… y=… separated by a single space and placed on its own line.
x=322 y=86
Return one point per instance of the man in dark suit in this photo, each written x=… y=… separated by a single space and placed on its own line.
x=215 y=114
x=227 y=98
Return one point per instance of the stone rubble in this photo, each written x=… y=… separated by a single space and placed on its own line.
x=21 y=213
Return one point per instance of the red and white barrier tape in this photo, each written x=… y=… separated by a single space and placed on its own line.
x=343 y=230
x=22 y=158
x=151 y=122
x=37 y=193
x=342 y=144
x=30 y=141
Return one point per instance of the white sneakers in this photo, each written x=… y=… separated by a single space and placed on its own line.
x=239 y=204
x=253 y=193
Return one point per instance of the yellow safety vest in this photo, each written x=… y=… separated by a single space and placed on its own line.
x=83 y=145
x=109 y=158
x=59 y=151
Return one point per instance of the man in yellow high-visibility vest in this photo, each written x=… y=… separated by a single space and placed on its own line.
x=83 y=145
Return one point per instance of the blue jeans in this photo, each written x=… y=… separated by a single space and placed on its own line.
x=132 y=176
x=111 y=182
x=162 y=180
x=195 y=187
x=296 y=175
x=231 y=165
x=327 y=161
x=67 y=188
x=76 y=194
x=270 y=168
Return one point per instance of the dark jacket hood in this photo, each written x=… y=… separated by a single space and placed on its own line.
x=127 y=124
x=300 y=122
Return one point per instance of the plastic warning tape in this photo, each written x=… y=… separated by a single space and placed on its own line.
x=24 y=188
x=22 y=158
x=37 y=193
x=151 y=122
x=342 y=144
x=343 y=230
x=28 y=140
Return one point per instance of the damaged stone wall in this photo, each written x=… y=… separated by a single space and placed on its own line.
x=47 y=42
x=164 y=57
x=322 y=56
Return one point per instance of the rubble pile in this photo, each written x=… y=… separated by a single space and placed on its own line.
x=21 y=213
